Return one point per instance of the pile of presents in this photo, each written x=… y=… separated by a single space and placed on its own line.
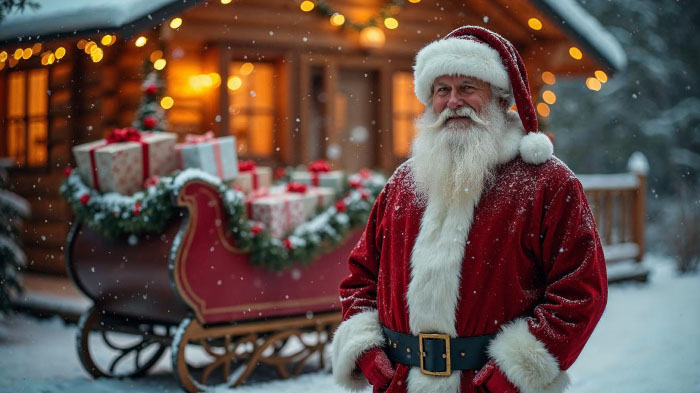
x=128 y=161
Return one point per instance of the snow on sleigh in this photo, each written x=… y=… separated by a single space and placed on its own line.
x=207 y=283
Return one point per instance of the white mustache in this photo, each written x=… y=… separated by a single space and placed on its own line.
x=463 y=111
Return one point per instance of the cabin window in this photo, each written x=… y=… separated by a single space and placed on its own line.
x=405 y=109
x=252 y=107
x=26 y=126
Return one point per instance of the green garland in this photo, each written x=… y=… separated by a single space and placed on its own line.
x=390 y=8
x=150 y=211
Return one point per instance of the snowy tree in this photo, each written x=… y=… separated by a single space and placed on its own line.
x=7 y=6
x=12 y=258
x=150 y=116
x=652 y=106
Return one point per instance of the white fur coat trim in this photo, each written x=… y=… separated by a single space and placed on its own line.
x=457 y=56
x=354 y=336
x=534 y=147
x=525 y=360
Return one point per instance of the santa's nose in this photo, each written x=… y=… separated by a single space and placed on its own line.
x=455 y=100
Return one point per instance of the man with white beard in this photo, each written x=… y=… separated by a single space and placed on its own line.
x=480 y=269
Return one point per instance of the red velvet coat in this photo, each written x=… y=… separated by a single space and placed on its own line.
x=533 y=271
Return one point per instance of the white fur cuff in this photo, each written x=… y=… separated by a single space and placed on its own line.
x=525 y=361
x=536 y=148
x=354 y=336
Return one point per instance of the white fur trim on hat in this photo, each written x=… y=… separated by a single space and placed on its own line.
x=457 y=56
x=536 y=148
x=525 y=360
x=354 y=336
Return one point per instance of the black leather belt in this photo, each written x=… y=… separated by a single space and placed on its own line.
x=437 y=354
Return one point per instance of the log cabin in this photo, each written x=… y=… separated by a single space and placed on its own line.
x=293 y=81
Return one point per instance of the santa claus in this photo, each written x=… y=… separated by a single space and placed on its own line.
x=480 y=269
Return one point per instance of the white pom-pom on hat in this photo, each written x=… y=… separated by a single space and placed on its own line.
x=536 y=148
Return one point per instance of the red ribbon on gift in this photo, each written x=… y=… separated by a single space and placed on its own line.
x=193 y=139
x=253 y=196
x=316 y=168
x=207 y=137
x=249 y=166
x=299 y=188
x=121 y=135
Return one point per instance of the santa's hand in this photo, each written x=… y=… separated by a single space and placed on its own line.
x=376 y=367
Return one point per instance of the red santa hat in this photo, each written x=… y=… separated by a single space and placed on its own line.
x=481 y=53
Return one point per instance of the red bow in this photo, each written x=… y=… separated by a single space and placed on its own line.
x=119 y=135
x=193 y=139
x=319 y=166
x=296 y=187
x=246 y=166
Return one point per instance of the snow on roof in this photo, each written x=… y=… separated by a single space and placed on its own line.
x=62 y=18
x=576 y=21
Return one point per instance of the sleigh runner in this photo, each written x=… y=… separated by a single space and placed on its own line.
x=193 y=289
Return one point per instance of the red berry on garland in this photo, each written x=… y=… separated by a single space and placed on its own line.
x=364 y=194
x=280 y=173
x=149 y=122
x=67 y=171
x=340 y=206
x=355 y=183
x=85 y=199
x=137 y=209
x=151 y=89
x=256 y=229
x=288 y=244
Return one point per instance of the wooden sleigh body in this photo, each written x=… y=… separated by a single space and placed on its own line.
x=191 y=290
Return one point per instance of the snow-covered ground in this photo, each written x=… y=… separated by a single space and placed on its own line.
x=648 y=341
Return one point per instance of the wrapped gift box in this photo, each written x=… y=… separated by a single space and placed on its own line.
x=113 y=165
x=252 y=177
x=314 y=198
x=332 y=179
x=216 y=156
x=280 y=213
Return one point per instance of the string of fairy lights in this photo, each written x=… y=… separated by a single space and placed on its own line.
x=370 y=31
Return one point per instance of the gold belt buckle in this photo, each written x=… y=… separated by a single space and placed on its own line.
x=446 y=355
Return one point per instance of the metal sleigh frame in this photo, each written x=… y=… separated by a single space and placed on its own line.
x=218 y=332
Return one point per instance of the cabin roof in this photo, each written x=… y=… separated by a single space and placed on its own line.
x=65 y=19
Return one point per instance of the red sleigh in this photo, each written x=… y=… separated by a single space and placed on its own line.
x=190 y=289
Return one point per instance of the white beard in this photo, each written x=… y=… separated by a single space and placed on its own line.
x=452 y=163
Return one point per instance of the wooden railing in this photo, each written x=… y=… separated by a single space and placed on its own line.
x=618 y=204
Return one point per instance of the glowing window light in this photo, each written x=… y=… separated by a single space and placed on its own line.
x=226 y=1
x=372 y=37
x=159 y=64
x=534 y=23
x=543 y=109
x=549 y=97
x=337 y=19
x=96 y=54
x=391 y=23
x=307 y=5
x=27 y=53
x=602 y=76
x=414 y=1
x=60 y=52
x=247 y=68
x=234 y=83
x=141 y=41
x=167 y=102
x=593 y=84
x=548 y=78
x=155 y=55
x=175 y=23
x=2 y=65
x=214 y=79
x=575 y=53
x=18 y=54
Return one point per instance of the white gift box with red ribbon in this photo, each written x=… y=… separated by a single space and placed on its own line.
x=280 y=213
x=314 y=198
x=122 y=162
x=252 y=177
x=216 y=156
